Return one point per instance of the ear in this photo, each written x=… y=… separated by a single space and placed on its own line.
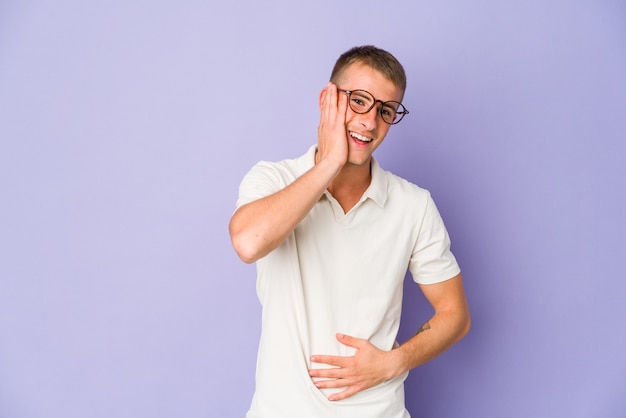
x=322 y=97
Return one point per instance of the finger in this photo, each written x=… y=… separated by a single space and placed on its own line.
x=351 y=341
x=330 y=101
x=342 y=103
x=332 y=373
x=331 y=360
x=351 y=390
x=332 y=383
x=329 y=104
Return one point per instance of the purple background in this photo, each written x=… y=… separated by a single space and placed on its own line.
x=126 y=128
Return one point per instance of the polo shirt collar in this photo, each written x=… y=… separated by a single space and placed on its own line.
x=377 y=190
x=379 y=185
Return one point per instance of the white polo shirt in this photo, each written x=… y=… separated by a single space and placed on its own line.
x=339 y=273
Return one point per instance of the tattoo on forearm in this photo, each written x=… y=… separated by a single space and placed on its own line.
x=423 y=328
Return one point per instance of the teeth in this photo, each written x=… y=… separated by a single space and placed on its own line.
x=360 y=137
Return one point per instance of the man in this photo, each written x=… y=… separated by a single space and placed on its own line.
x=333 y=235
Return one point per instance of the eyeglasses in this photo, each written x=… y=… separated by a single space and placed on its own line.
x=361 y=101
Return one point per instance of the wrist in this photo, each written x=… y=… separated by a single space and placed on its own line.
x=329 y=166
x=398 y=361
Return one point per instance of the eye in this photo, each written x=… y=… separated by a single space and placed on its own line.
x=388 y=111
x=360 y=101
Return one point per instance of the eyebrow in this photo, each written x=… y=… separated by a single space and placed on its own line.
x=387 y=104
x=361 y=93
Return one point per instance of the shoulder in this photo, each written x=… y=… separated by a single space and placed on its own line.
x=292 y=166
x=284 y=171
x=401 y=188
x=409 y=203
x=266 y=177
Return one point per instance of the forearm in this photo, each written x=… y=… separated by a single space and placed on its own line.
x=447 y=326
x=259 y=227
x=434 y=337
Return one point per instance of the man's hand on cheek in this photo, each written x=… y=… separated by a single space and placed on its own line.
x=332 y=137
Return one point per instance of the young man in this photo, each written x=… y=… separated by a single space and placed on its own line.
x=333 y=235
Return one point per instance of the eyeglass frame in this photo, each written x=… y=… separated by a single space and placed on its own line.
x=379 y=111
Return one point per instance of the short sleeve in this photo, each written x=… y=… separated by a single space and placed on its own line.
x=264 y=179
x=431 y=260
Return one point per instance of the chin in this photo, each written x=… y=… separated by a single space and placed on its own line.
x=359 y=161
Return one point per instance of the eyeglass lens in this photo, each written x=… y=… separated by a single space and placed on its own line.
x=362 y=101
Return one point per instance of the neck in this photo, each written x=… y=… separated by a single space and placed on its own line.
x=355 y=177
x=350 y=184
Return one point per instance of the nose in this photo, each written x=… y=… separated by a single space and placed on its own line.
x=369 y=120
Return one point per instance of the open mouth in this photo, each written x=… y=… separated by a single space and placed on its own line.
x=360 y=138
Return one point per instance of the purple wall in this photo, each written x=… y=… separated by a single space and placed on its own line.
x=125 y=130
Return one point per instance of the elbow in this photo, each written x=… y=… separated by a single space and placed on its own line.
x=243 y=249
x=465 y=325
x=242 y=245
x=245 y=254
